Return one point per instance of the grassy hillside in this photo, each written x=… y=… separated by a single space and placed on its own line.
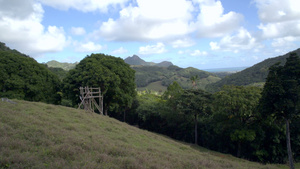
x=37 y=135
x=252 y=75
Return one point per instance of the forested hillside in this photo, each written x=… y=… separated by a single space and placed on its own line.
x=22 y=77
x=155 y=77
x=255 y=74
x=64 y=66
x=146 y=75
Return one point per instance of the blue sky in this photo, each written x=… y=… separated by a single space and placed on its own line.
x=204 y=34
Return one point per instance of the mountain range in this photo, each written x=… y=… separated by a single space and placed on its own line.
x=157 y=76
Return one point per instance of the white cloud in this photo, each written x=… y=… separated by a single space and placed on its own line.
x=214 y=46
x=78 y=31
x=279 y=18
x=280 y=29
x=152 y=49
x=180 y=52
x=87 y=47
x=213 y=22
x=169 y=20
x=272 y=11
x=16 y=8
x=149 y=20
x=83 y=5
x=183 y=43
x=242 y=40
x=25 y=32
x=121 y=50
x=198 y=53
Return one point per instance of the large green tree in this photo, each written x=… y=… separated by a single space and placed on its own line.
x=234 y=111
x=111 y=74
x=281 y=95
x=21 y=77
x=195 y=103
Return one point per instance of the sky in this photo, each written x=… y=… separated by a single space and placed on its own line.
x=204 y=34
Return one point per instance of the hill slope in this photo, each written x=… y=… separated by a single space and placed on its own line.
x=145 y=76
x=255 y=74
x=65 y=66
x=37 y=135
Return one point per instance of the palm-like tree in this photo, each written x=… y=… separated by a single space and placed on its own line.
x=194 y=80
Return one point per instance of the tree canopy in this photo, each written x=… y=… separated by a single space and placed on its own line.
x=111 y=74
x=281 y=95
x=21 y=77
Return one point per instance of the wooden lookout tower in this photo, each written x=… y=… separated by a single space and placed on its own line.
x=89 y=97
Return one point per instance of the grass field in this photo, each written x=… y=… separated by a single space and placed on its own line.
x=38 y=135
x=154 y=86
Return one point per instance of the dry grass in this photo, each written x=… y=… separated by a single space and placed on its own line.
x=38 y=135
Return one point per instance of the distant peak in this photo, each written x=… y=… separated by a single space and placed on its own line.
x=136 y=60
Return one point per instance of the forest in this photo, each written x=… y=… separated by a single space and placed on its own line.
x=255 y=123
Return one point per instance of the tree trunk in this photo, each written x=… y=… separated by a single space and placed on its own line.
x=239 y=149
x=124 y=116
x=196 y=129
x=288 y=144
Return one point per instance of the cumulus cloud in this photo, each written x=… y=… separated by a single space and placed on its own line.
x=170 y=20
x=16 y=8
x=121 y=50
x=279 y=18
x=152 y=49
x=78 y=31
x=83 y=5
x=149 y=20
x=242 y=40
x=272 y=11
x=87 y=47
x=198 y=53
x=183 y=43
x=213 y=22
x=24 y=30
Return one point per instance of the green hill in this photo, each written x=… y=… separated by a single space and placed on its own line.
x=255 y=75
x=152 y=76
x=38 y=135
x=64 y=65
x=161 y=77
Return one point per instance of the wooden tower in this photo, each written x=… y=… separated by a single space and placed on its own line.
x=88 y=97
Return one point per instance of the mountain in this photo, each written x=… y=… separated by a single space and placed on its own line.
x=136 y=61
x=159 y=78
x=64 y=65
x=255 y=75
x=38 y=135
x=164 y=64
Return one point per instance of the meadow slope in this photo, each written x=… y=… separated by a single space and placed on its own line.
x=38 y=135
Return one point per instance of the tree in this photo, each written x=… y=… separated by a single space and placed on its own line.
x=111 y=74
x=281 y=93
x=21 y=77
x=234 y=106
x=194 y=80
x=195 y=103
x=172 y=91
